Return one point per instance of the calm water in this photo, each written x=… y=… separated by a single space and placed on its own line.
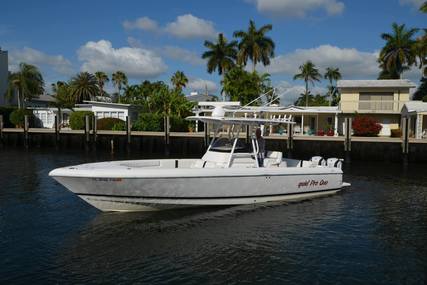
x=373 y=233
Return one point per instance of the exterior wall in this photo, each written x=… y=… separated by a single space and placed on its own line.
x=110 y=112
x=45 y=117
x=350 y=99
x=4 y=74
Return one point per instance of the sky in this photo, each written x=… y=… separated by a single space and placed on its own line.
x=150 y=40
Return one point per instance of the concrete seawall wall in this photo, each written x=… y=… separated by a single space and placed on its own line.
x=193 y=145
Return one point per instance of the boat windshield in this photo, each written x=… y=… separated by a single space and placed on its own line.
x=226 y=144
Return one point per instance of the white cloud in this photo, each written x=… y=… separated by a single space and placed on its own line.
x=143 y=23
x=188 y=26
x=351 y=62
x=135 y=62
x=414 y=3
x=182 y=54
x=298 y=8
x=198 y=84
x=42 y=60
x=289 y=93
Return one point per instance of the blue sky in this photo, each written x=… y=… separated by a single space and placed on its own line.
x=153 y=39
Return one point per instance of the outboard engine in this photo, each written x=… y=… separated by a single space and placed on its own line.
x=334 y=162
x=318 y=160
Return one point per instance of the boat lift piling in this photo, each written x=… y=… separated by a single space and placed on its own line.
x=290 y=140
x=87 y=132
x=405 y=140
x=57 y=137
x=1 y=130
x=26 y=127
x=94 y=130
x=347 y=139
x=128 y=134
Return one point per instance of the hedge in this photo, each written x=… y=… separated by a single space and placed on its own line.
x=17 y=117
x=155 y=123
x=77 y=120
x=5 y=112
x=108 y=123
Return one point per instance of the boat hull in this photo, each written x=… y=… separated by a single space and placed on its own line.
x=158 y=193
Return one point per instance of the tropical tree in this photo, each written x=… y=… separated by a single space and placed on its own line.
x=84 y=86
x=119 y=79
x=241 y=85
x=220 y=55
x=255 y=45
x=27 y=83
x=102 y=78
x=421 y=93
x=309 y=73
x=423 y=7
x=333 y=75
x=179 y=80
x=63 y=97
x=313 y=100
x=398 y=53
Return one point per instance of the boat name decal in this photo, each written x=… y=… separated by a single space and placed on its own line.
x=107 y=179
x=311 y=183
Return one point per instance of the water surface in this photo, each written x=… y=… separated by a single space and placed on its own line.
x=373 y=233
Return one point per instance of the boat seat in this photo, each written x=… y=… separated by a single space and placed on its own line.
x=273 y=158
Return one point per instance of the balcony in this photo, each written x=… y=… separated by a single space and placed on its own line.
x=372 y=106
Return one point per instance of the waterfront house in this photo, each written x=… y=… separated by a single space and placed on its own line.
x=416 y=113
x=381 y=99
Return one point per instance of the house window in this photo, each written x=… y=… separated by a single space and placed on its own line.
x=122 y=116
x=381 y=101
x=107 y=114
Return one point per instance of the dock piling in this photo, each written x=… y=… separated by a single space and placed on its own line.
x=166 y=124
x=87 y=132
x=405 y=139
x=290 y=140
x=26 y=127
x=1 y=130
x=347 y=139
x=95 y=130
x=56 y=131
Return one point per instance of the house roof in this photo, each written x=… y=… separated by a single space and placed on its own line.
x=415 y=106
x=44 y=98
x=375 y=83
x=201 y=97
x=98 y=103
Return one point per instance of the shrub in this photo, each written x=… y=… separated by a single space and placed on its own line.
x=396 y=133
x=5 y=112
x=148 y=122
x=330 y=133
x=366 y=126
x=179 y=124
x=17 y=117
x=320 y=132
x=108 y=123
x=77 y=120
x=120 y=126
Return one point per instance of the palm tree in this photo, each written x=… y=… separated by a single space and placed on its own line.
x=308 y=73
x=84 y=86
x=179 y=80
x=220 y=55
x=119 y=79
x=332 y=74
x=27 y=83
x=423 y=7
x=255 y=45
x=397 y=54
x=101 y=77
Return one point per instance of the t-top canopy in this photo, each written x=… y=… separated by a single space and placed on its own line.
x=242 y=121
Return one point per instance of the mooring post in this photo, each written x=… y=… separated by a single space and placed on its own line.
x=405 y=139
x=1 y=130
x=128 y=132
x=290 y=140
x=56 y=131
x=26 y=127
x=248 y=138
x=94 y=129
x=347 y=139
x=206 y=138
x=87 y=132
x=166 y=134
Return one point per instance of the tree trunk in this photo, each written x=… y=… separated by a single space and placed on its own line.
x=306 y=93
x=19 y=98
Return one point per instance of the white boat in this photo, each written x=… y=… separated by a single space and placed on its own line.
x=229 y=173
